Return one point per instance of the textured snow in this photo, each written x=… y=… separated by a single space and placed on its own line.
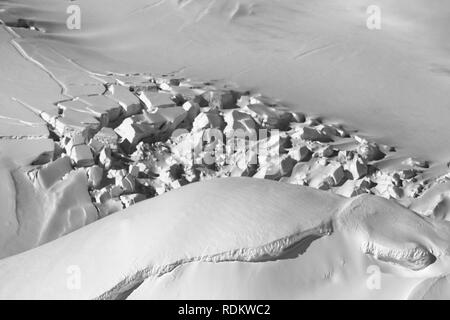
x=228 y=238
x=187 y=228
x=40 y=204
x=318 y=57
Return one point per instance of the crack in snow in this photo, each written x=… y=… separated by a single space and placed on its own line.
x=275 y=250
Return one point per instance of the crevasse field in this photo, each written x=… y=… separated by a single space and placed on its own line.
x=96 y=185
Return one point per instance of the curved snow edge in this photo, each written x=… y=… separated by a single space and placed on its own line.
x=268 y=252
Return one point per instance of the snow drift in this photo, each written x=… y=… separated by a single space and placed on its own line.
x=252 y=231
x=41 y=203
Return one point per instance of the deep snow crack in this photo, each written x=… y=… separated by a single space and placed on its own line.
x=276 y=250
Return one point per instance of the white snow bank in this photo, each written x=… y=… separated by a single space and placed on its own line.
x=435 y=202
x=331 y=268
x=262 y=224
x=40 y=204
x=432 y=289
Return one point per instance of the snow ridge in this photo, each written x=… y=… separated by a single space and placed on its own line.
x=415 y=258
x=274 y=250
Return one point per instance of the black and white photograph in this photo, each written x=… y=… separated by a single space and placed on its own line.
x=224 y=150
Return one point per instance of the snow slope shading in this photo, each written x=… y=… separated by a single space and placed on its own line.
x=227 y=227
x=316 y=56
x=23 y=134
x=41 y=203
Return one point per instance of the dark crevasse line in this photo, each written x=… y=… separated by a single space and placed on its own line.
x=289 y=247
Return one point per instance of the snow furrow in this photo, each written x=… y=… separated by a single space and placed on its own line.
x=269 y=252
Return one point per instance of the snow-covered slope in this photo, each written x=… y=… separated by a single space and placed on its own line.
x=432 y=289
x=319 y=57
x=41 y=204
x=23 y=134
x=257 y=235
x=231 y=238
